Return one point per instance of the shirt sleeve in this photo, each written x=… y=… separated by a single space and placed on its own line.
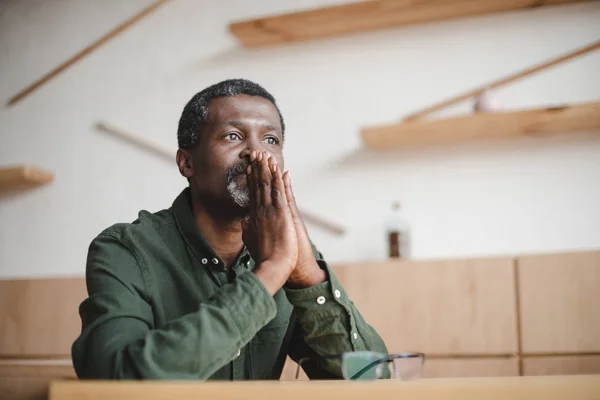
x=328 y=325
x=119 y=339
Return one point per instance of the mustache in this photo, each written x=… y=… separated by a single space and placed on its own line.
x=237 y=170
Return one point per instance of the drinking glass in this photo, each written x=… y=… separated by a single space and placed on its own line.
x=366 y=365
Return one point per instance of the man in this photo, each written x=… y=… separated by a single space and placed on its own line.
x=225 y=283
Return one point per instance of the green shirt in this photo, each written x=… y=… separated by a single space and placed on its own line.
x=161 y=305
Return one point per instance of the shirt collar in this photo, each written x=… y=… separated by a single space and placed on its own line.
x=195 y=240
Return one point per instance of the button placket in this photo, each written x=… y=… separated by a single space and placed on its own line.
x=237 y=366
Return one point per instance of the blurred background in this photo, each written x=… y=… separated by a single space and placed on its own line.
x=485 y=201
x=461 y=199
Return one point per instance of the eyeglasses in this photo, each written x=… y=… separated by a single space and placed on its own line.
x=368 y=365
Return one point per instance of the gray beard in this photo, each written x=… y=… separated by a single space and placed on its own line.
x=239 y=195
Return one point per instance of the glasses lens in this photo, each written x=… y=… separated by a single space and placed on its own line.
x=408 y=367
x=365 y=364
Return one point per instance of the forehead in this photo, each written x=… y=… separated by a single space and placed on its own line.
x=243 y=107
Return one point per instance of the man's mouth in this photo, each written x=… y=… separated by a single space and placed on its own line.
x=240 y=168
x=242 y=179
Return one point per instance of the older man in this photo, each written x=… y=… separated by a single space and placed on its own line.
x=225 y=283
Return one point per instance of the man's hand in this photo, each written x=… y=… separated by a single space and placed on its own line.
x=307 y=272
x=269 y=232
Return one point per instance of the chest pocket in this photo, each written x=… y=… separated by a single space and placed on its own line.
x=269 y=346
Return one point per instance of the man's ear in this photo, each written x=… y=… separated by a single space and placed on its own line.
x=184 y=163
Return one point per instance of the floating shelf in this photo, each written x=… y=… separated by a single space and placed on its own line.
x=479 y=126
x=367 y=16
x=20 y=177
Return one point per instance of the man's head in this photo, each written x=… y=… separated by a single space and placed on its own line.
x=218 y=129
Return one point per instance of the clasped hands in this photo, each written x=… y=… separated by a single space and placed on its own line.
x=274 y=232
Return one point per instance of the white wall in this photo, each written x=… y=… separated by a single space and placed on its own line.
x=526 y=195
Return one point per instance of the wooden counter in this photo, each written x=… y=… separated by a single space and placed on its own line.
x=581 y=387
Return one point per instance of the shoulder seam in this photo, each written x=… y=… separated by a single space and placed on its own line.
x=113 y=233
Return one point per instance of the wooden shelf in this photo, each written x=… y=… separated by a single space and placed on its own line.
x=367 y=16
x=479 y=126
x=20 y=177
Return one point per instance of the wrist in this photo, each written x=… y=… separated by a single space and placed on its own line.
x=307 y=278
x=270 y=276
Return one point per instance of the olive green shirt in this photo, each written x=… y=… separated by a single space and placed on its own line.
x=161 y=305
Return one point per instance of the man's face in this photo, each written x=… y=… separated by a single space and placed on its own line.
x=236 y=126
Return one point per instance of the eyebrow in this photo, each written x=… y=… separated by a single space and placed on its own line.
x=240 y=124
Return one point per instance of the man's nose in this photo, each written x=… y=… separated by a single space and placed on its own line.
x=245 y=154
x=250 y=146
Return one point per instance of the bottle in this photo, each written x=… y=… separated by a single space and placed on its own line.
x=398 y=233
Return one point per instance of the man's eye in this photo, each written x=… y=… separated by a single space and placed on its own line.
x=233 y=136
x=272 y=141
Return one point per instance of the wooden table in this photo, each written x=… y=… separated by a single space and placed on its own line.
x=579 y=387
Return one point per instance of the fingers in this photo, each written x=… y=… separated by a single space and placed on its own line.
x=289 y=194
x=254 y=184
x=265 y=179
x=251 y=181
x=278 y=190
x=267 y=182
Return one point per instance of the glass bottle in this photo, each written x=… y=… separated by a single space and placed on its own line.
x=397 y=233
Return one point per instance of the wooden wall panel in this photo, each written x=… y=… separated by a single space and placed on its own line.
x=562 y=365
x=289 y=370
x=443 y=307
x=467 y=368
x=560 y=300
x=39 y=317
x=30 y=379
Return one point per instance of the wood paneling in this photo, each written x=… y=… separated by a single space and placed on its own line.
x=467 y=368
x=560 y=298
x=442 y=307
x=39 y=317
x=289 y=370
x=484 y=126
x=366 y=16
x=30 y=379
x=562 y=365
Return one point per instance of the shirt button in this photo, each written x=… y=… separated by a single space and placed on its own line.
x=337 y=294
x=355 y=335
x=204 y=261
x=215 y=261
x=238 y=353
x=320 y=300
